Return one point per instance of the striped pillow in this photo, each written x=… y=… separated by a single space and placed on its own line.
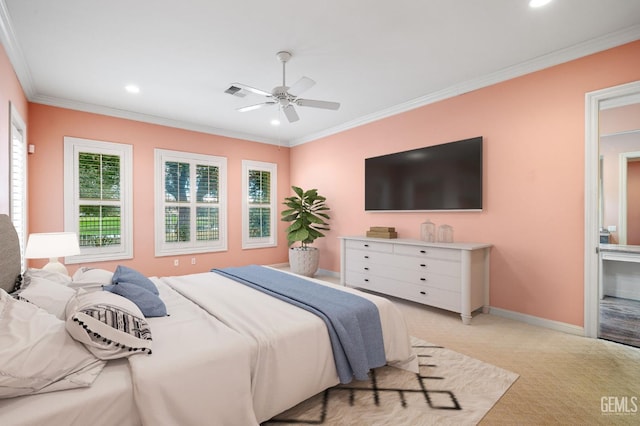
x=109 y=325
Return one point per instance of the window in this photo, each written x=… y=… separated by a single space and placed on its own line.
x=259 y=183
x=98 y=194
x=191 y=202
x=18 y=179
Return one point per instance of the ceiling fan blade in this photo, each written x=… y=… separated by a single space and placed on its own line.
x=252 y=89
x=290 y=113
x=302 y=85
x=256 y=106
x=318 y=104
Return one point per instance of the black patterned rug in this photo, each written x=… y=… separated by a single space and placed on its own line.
x=451 y=388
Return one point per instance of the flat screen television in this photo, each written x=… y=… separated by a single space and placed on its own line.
x=434 y=178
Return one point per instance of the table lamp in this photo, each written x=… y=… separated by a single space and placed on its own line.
x=52 y=245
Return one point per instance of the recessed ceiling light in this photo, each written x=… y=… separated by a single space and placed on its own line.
x=275 y=122
x=132 y=88
x=538 y=3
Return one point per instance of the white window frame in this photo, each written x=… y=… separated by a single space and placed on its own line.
x=163 y=248
x=18 y=178
x=272 y=240
x=72 y=148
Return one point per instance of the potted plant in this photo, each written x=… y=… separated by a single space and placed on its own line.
x=308 y=213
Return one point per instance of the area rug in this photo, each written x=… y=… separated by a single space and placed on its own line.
x=451 y=389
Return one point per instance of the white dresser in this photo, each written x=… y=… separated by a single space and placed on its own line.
x=452 y=276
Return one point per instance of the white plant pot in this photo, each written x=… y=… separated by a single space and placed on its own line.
x=304 y=261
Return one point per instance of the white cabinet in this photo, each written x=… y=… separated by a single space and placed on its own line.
x=452 y=276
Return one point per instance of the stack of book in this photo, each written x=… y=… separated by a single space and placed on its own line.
x=382 y=232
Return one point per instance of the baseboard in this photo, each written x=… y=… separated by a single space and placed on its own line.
x=327 y=272
x=540 y=322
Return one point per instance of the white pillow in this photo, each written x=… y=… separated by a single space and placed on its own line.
x=48 y=295
x=56 y=277
x=109 y=325
x=37 y=355
x=91 y=278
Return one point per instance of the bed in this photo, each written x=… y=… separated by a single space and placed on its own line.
x=226 y=354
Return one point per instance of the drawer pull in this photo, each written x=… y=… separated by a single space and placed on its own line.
x=366 y=269
x=366 y=245
x=366 y=257
x=423 y=251
x=424 y=293
x=423 y=279
x=422 y=265
x=366 y=280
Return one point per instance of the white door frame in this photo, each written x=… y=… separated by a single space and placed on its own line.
x=595 y=101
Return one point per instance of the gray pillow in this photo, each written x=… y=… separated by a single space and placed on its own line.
x=150 y=304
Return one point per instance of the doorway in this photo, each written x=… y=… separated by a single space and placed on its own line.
x=600 y=258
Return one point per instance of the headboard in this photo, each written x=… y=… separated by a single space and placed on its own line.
x=10 y=268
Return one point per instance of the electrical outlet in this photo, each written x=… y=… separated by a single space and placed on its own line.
x=193 y=260
x=176 y=262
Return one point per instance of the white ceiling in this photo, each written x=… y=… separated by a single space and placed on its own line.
x=375 y=57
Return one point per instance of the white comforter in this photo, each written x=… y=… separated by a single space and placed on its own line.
x=198 y=372
x=291 y=356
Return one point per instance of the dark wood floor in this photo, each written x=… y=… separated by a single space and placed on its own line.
x=620 y=320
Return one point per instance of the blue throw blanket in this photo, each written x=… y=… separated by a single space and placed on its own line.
x=353 y=322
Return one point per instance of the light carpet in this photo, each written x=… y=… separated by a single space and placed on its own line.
x=451 y=389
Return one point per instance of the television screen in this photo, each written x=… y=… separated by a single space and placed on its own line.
x=438 y=177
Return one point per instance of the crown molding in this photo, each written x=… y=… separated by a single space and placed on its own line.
x=151 y=119
x=14 y=52
x=599 y=44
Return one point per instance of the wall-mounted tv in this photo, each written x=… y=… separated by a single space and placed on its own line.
x=434 y=178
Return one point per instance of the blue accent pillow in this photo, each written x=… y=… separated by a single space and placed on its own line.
x=150 y=305
x=124 y=274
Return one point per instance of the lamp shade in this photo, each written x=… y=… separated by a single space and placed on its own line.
x=51 y=245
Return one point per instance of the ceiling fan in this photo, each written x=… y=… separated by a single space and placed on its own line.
x=284 y=95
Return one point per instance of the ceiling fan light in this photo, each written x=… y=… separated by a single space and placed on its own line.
x=538 y=3
x=132 y=88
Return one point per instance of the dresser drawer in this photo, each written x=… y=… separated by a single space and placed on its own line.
x=365 y=280
x=436 y=266
x=440 y=298
x=431 y=296
x=431 y=252
x=365 y=257
x=425 y=278
x=369 y=246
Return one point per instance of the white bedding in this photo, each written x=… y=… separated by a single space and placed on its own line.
x=198 y=373
x=108 y=401
x=291 y=355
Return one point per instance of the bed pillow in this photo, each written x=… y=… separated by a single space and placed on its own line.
x=37 y=354
x=56 y=277
x=124 y=274
x=48 y=295
x=91 y=278
x=150 y=304
x=109 y=325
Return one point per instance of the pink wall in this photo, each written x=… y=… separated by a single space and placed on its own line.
x=633 y=203
x=621 y=119
x=49 y=125
x=10 y=92
x=534 y=133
